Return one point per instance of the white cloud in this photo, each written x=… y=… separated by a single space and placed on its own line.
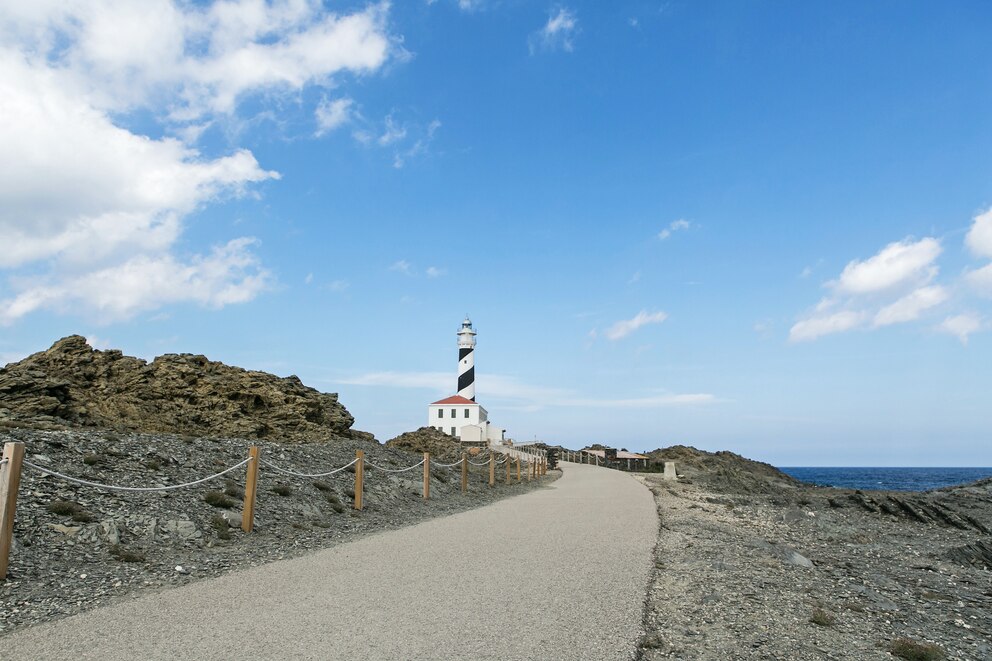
x=893 y=286
x=401 y=266
x=434 y=272
x=895 y=265
x=421 y=146
x=817 y=326
x=437 y=381
x=392 y=132
x=337 y=286
x=309 y=279
x=558 y=33
x=332 y=114
x=99 y=342
x=514 y=393
x=981 y=280
x=229 y=274
x=675 y=226
x=88 y=198
x=625 y=327
x=961 y=326
x=911 y=306
x=201 y=60
x=979 y=237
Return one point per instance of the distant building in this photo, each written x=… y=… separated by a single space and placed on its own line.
x=619 y=458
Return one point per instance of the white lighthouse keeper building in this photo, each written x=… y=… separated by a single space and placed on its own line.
x=460 y=415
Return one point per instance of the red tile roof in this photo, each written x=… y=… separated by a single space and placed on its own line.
x=454 y=399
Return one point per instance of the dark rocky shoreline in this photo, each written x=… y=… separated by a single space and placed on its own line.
x=77 y=547
x=754 y=565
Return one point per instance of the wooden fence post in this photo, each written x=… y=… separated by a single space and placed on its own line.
x=251 y=486
x=518 y=468
x=427 y=475
x=464 y=472
x=359 y=478
x=492 y=469
x=528 y=470
x=10 y=482
x=507 y=462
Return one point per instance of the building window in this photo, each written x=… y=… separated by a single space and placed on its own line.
x=440 y=413
x=454 y=414
x=466 y=413
x=452 y=431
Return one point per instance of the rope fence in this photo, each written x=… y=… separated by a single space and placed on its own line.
x=13 y=459
x=286 y=471
x=115 y=487
x=369 y=464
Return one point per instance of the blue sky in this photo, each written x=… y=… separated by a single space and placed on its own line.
x=763 y=227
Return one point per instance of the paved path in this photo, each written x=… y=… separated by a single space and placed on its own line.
x=557 y=573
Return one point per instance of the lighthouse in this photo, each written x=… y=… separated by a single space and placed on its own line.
x=460 y=415
x=466 y=360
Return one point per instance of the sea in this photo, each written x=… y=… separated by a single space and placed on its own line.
x=887 y=478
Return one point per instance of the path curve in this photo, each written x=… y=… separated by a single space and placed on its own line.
x=556 y=573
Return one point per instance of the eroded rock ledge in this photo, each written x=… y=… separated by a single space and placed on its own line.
x=73 y=385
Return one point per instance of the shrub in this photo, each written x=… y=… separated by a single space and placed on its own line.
x=332 y=498
x=338 y=507
x=282 y=490
x=322 y=486
x=94 y=459
x=83 y=516
x=153 y=464
x=222 y=526
x=822 y=618
x=126 y=555
x=234 y=490
x=218 y=499
x=906 y=648
x=64 y=507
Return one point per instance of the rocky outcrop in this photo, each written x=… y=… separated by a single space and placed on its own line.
x=71 y=384
x=726 y=471
x=427 y=439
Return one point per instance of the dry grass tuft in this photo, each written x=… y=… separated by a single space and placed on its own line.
x=218 y=499
x=909 y=649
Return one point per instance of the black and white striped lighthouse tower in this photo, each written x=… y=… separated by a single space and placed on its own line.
x=466 y=360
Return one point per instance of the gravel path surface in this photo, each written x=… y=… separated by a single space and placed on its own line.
x=557 y=573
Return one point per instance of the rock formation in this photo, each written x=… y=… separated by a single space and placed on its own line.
x=71 y=384
x=428 y=439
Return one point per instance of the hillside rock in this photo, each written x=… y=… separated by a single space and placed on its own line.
x=726 y=472
x=71 y=384
x=427 y=439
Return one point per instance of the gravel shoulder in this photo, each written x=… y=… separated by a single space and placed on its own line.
x=556 y=573
x=798 y=574
x=77 y=548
